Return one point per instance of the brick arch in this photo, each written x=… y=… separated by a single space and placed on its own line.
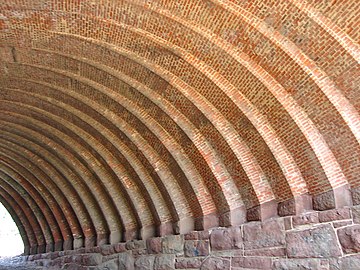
x=33 y=229
x=21 y=223
x=177 y=115
x=79 y=173
x=25 y=200
x=49 y=205
x=204 y=150
x=34 y=200
x=33 y=174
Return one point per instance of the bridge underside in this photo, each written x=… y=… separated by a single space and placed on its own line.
x=125 y=120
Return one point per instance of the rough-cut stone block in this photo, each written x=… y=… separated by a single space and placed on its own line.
x=91 y=250
x=194 y=248
x=270 y=233
x=298 y=264
x=112 y=264
x=107 y=250
x=334 y=214
x=164 y=262
x=355 y=194
x=349 y=238
x=266 y=252
x=324 y=201
x=154 y=245
x=126 y=261
x=306 y=218
x=188 y=263
x=287 y=208
x=317 y=242
x=194 y=235
x=119 y=247
x=144 y=263
x=338 y=224
x=226 y=239
x=173 y=244
x=215 y=263
x=288 y=223
x=139 y=252
x=197 y=235
x=253 y=214
x=72 y=266
x=350 y=263
x=251 y=262
x=356 y=214
x=136 y=244
x=90 y=259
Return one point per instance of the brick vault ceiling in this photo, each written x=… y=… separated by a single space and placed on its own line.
x=130 y=119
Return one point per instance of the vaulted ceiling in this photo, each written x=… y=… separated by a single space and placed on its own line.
x=131 y=119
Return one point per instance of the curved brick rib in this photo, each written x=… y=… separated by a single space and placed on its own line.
x=297 y=113
x=35 y=234
x=132 y=159
x=56 y=176
x=33 y=174
x=350 y=115
x=346 y=42
x=113 y=193
x=254 y=170
x=273 y=97
x=223 y=126
x=266 y=189
x=18 y=146
x=142 y=115
x=35 y=201
x=204 y=147
x=202 y=195
x=283 y=156
x=10 y=185
x=117 y=165
x=40 y=194
x=21 y=223
x=159 y=100
x=218 y=169
x=307 y=127
x=91 y=204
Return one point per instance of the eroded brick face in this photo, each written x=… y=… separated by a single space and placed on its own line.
x=126 y=120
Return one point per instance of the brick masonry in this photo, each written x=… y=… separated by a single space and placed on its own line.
x=326 y=240
x=133 y=119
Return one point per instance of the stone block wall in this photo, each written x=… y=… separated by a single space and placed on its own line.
x=314 y=240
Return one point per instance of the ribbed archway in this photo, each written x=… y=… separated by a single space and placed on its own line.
x=130 y=119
